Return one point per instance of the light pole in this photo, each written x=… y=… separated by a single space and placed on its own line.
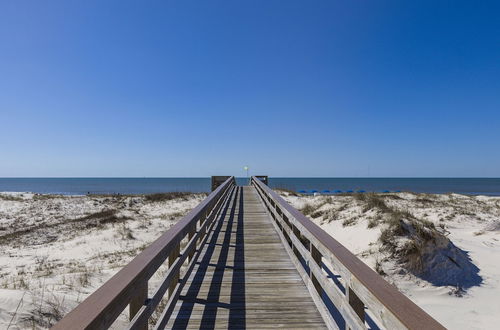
x=246 y=169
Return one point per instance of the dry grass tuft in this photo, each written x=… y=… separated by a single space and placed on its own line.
x=349 y=222
x=288 y=191
x=41 y=197
x=318 y=213
x=373 y=222
x=162 y=197
x=45 y=233
x=378 y=267
x=46 y=314
x=372 y=201
x=308 y=209
x=125 y=232
x=416 y=233
x=12 y=198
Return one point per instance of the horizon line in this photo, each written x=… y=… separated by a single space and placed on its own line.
x=244 y=177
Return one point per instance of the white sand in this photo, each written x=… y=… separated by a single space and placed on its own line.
x=472 y=224
x=56 y=262
x=48 y=270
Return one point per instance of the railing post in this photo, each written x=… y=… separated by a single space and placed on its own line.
x=316 y=257
x=171 y=259
x=138 y=301
x=218 y=180
x=203 y=231
x=192 y=232
x=296 y=231
x=357 y=305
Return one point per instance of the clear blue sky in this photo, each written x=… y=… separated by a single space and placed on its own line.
x=289 y=88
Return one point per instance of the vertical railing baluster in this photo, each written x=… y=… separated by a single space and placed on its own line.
x=357 y=305
x=138 y=301
x=316 y=257
x=192 y=232
x=202 y=220
x=296 y=231
x=171 y=259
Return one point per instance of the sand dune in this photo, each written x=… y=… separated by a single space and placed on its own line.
x=56 y=250
x=440 y=250
x=457 y=276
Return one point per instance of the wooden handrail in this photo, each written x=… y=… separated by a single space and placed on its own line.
x=363 y=286
x=129 y=285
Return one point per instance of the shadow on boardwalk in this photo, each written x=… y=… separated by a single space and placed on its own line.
x=230 y=230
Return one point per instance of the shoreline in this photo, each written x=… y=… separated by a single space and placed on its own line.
x=64 y=194
x=83 y=186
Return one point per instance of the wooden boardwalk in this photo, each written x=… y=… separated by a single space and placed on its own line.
x=244 y=277
x=246 y=259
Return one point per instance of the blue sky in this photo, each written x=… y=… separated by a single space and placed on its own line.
x=289 y=88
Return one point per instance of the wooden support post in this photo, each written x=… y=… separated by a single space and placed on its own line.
x=191 y=234
x=218 y=180
x=263 y=178
x=296 y=231
x=138 y=301
x=278 y=210
x=356 y=304
x=171 y=259
x=285 y=220
x=287 y=237
x=204 y=230
x=316 y=257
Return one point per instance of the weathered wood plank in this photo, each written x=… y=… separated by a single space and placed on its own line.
x=243 y=276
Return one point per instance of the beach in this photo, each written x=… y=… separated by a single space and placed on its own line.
x=376 y=121
x=459 y=284
x=56 y=250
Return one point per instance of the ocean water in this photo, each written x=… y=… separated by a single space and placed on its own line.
x=470 y=186
x=81 y=186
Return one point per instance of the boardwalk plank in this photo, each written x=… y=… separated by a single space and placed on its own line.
x=244 y=278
